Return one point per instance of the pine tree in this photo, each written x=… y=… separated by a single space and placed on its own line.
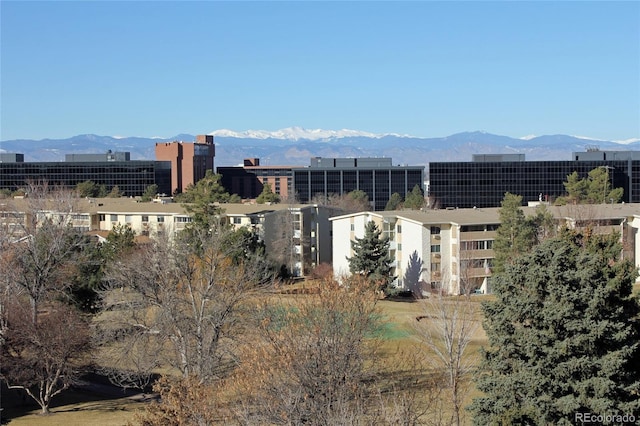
x=514 y=236
x=415 y=199
x=594 y=189
x=267 y=195
x=371 y=257
x=563 y=335
x=395 y=202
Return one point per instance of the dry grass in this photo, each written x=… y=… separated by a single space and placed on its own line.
x=78 y=408
x=72 y=408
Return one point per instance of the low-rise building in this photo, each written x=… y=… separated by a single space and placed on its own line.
x=453 y=249
x=300 y=232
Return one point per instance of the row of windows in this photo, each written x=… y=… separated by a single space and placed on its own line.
x=145 y=218
x=470 y=184
x=476 y=245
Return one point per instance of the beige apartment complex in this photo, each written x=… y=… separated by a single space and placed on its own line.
x=453 y=248
x=302 y=231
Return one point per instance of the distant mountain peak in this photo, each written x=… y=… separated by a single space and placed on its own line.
x=296 y=133
x=528 y=137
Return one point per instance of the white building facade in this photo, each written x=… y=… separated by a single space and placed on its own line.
x=453 y=249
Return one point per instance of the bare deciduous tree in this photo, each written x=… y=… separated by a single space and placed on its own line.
x=313 y=358
x=355 y=201
x=184 y=299
x=183 y=401
x=42 y=338
x=43 y=358
x=283 y=240
x=43 y=244
x=447 y=329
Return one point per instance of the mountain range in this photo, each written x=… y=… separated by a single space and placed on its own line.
x=295 y=146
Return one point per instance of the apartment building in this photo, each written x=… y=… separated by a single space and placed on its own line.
x=189 y=160
x=303 y=232
x=453 y=249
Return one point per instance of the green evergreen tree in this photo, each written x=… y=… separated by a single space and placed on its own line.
x=115 y=192
x=596 y=188
x=543 y=223
x=267 y=195
x=94 y=258
x=415 y=199
x=202 y=199
x=515 y=235
x=394 y=203
x=576 y=188
x=371 y=257
x=87 y=188
x=150 y=193
x=563 y=336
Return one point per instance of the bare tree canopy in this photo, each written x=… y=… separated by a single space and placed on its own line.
x=43 y=358
x=184 y=298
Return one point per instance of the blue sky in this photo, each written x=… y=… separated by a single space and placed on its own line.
x=422 y=68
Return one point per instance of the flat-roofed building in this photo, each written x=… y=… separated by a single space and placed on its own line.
x=189 y=160
x=300 y=232
x=131 y=177
x=248 y=180
x=377 y=177
x=484 y=181
x=453 y=249
x=11 y=157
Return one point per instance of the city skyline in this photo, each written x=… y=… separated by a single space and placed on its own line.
x=424 y=69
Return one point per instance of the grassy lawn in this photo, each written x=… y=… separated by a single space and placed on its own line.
x=71 y=408
x=84 y=408
x=76 y=407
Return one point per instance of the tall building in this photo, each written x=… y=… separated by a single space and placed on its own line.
x=377 y=177
x=189 y=160
x=131 y=177
x=248 y=181
x=484 y=181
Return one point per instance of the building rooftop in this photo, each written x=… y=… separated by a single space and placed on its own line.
x=133 y=205
x=480 y=216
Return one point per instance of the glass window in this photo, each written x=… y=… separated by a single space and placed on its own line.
x=160 y=219
x=145 y=218
x=435 y=230
x=237 y=220
x=435 y=248
x=114 y=218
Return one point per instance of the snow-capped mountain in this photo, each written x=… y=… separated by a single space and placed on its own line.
x=299 y=133
x=295 y=146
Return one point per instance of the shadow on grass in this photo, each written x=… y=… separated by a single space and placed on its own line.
x=95 y=393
